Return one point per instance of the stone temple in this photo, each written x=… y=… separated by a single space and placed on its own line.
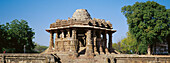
x=81 y=35
x=81 y=39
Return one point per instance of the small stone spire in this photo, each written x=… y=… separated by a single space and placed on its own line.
x=81 y=14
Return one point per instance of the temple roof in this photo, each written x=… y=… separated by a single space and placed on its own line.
x=81 y=19
x=81 y=14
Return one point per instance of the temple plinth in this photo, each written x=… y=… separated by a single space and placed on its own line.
x=80 y=35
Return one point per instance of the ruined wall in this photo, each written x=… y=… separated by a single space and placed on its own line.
x=26 y=58
x=63 y=45
x=123 y=58
x=142 y=60
x=64 y=58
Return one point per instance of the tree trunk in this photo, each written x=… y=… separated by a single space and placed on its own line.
x=137 y=52
x=168 y=41
x=149 y=49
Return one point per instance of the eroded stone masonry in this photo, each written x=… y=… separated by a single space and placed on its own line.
x=81 y=35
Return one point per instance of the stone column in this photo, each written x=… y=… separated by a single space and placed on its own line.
x=51 y=41
x=105 y=42
x=68 y=40
x=56 y=43
x=74 y=37
x=68 y=33
x=110 y=41
x=73 y=52
x=95 y=42
x=101 y=48
x=62 y=37
x=62 y=34
x=89 y=48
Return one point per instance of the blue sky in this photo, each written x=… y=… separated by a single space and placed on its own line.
x=41 y=13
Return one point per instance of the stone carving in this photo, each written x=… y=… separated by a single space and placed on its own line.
x=68 y=34
x=51 y=42
x=60 y=36
x=83 y=36
x=89 y=49
x=82 y=17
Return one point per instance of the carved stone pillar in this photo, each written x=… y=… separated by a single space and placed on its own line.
x=101 y=48
x=62 y=34
x=62 y=43
x=56 y=43
x=67 y=48
x=51 y=41
x=89 y=48
x=73 y=52
x=95 y=42
x=105 y=42
x=68 y=33
x=110 y=41
x=74 y=37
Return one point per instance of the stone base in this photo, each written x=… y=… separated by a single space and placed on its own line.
x=101 y=50
x=60 y=58
x=89 y=55
x=107 y=51
x=73 y=55
x=96 y=53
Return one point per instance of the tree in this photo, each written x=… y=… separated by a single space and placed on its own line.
x=127 y=45
x=3 y=36
x=116 y=46
x=142 y=48
x=38 y=48
x=15 y=35
x=149 y=22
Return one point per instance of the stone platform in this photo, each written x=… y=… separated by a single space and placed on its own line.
x=64 y=58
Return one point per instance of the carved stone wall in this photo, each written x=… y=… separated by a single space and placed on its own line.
x=64 y=58
x=26 y=58
x=63 y=44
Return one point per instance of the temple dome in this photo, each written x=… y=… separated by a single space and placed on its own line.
x=81 y=14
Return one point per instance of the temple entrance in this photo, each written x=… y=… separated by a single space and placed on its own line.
x=81 y=41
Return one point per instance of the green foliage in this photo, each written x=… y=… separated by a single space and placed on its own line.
x=15 y=35
x=116 y=46
x=38 y=48
x=142 y=48
x=127 y=45
x=149 y=22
